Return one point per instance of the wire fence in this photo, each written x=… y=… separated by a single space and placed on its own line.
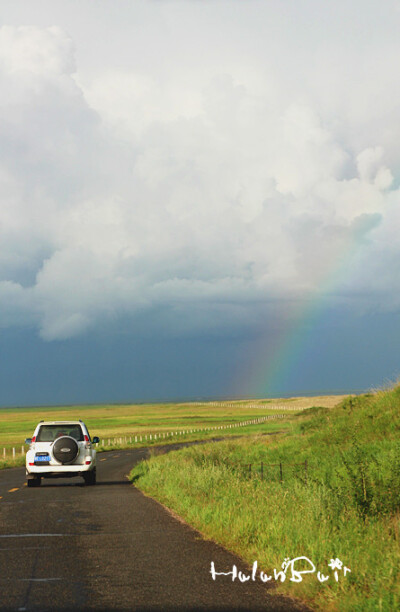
x=272 y=471
x=295 y=406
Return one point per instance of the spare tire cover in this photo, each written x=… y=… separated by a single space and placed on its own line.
x=65 y=449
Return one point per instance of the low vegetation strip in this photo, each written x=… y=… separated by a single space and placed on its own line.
x=345 y=514
x=270 y=406
x=292 y=403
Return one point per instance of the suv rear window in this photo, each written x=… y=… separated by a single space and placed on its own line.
x=49 y=433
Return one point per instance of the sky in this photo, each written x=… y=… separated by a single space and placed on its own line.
x=198 y=199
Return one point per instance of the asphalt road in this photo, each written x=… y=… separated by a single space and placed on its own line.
x=66 y=546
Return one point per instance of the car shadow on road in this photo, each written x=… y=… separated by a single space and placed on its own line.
x=100 y=483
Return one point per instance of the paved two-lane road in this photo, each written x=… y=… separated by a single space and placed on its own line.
x=67 y=546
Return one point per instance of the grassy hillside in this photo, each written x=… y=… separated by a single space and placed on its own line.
x=346 y=506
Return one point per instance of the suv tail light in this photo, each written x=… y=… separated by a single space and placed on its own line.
x=87 y=441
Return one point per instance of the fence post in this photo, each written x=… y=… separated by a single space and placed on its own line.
x=249 y=470
x=4 y=453
x=280 y=467
x=22 y=450
x=13 y=452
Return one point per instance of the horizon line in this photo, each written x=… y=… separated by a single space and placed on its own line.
x=191 y=399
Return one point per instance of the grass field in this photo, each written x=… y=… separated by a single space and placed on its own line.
x=348 y=506
x=114 y=421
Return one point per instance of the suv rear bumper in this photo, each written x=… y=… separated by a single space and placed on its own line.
x=55 y=471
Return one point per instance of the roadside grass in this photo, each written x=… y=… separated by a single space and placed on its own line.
x=347 y=508
x=10 y=463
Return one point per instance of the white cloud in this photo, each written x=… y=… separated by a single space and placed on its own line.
x=370 y=168
x=38 y=51
x=202 y=200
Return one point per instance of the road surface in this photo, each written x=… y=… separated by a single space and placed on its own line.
x=66 y=546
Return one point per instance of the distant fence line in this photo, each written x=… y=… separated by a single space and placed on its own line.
x=137 y=438
x=257 y=406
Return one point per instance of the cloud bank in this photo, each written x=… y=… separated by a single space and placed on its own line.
x=204 y=198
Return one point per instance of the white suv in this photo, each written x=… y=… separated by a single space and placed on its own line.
x=60 y=449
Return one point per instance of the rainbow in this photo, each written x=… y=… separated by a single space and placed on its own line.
x=275 y=357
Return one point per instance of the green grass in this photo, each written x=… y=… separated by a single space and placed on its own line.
x=119 y=421
x=10 y=463
x=115 y=421
x=112 y=422
x=349 y=507
x=109 y=421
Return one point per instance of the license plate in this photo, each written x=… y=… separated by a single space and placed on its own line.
x=40 y=458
